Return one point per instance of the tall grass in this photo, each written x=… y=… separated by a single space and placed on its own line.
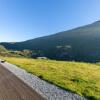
x=78 y=77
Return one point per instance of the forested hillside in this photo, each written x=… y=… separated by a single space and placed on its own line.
x=79 y=44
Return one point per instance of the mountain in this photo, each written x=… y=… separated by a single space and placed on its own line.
x=79 y=44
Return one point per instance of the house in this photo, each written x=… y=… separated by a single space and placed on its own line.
x=41 y=57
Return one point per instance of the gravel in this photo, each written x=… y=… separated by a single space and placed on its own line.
x=47 y=90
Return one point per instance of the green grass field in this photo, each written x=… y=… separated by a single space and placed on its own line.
x=81 y=78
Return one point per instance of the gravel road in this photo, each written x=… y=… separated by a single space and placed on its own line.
x=45 y=89
x=13 y=88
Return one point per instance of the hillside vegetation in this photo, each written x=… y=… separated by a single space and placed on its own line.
x=81 y=78
x=79 y=44
x=11 y=53
x=2 y=48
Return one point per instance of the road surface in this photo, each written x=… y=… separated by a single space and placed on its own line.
x=12 y=88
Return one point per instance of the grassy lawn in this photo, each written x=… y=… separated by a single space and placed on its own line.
x=81 y=78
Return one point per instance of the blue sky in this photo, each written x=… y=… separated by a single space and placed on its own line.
x=26 y=19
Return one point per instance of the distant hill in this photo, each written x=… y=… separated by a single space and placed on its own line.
x=79 y=44
x=2 y=49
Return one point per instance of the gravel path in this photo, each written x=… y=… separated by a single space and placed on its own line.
x=13 y=88
x=47 y=90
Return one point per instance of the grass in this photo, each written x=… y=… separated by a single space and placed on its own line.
x=78 y=77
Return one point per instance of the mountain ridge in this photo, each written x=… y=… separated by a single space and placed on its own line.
x=83 y=42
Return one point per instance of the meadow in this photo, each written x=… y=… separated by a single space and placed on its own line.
x=78 y=77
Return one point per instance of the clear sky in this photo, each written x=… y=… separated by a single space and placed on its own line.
x=26 y=19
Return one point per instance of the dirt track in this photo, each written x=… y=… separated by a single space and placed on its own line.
x=12 y=88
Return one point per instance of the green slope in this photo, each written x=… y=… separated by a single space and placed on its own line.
x=80 y=44
x=81 y=78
